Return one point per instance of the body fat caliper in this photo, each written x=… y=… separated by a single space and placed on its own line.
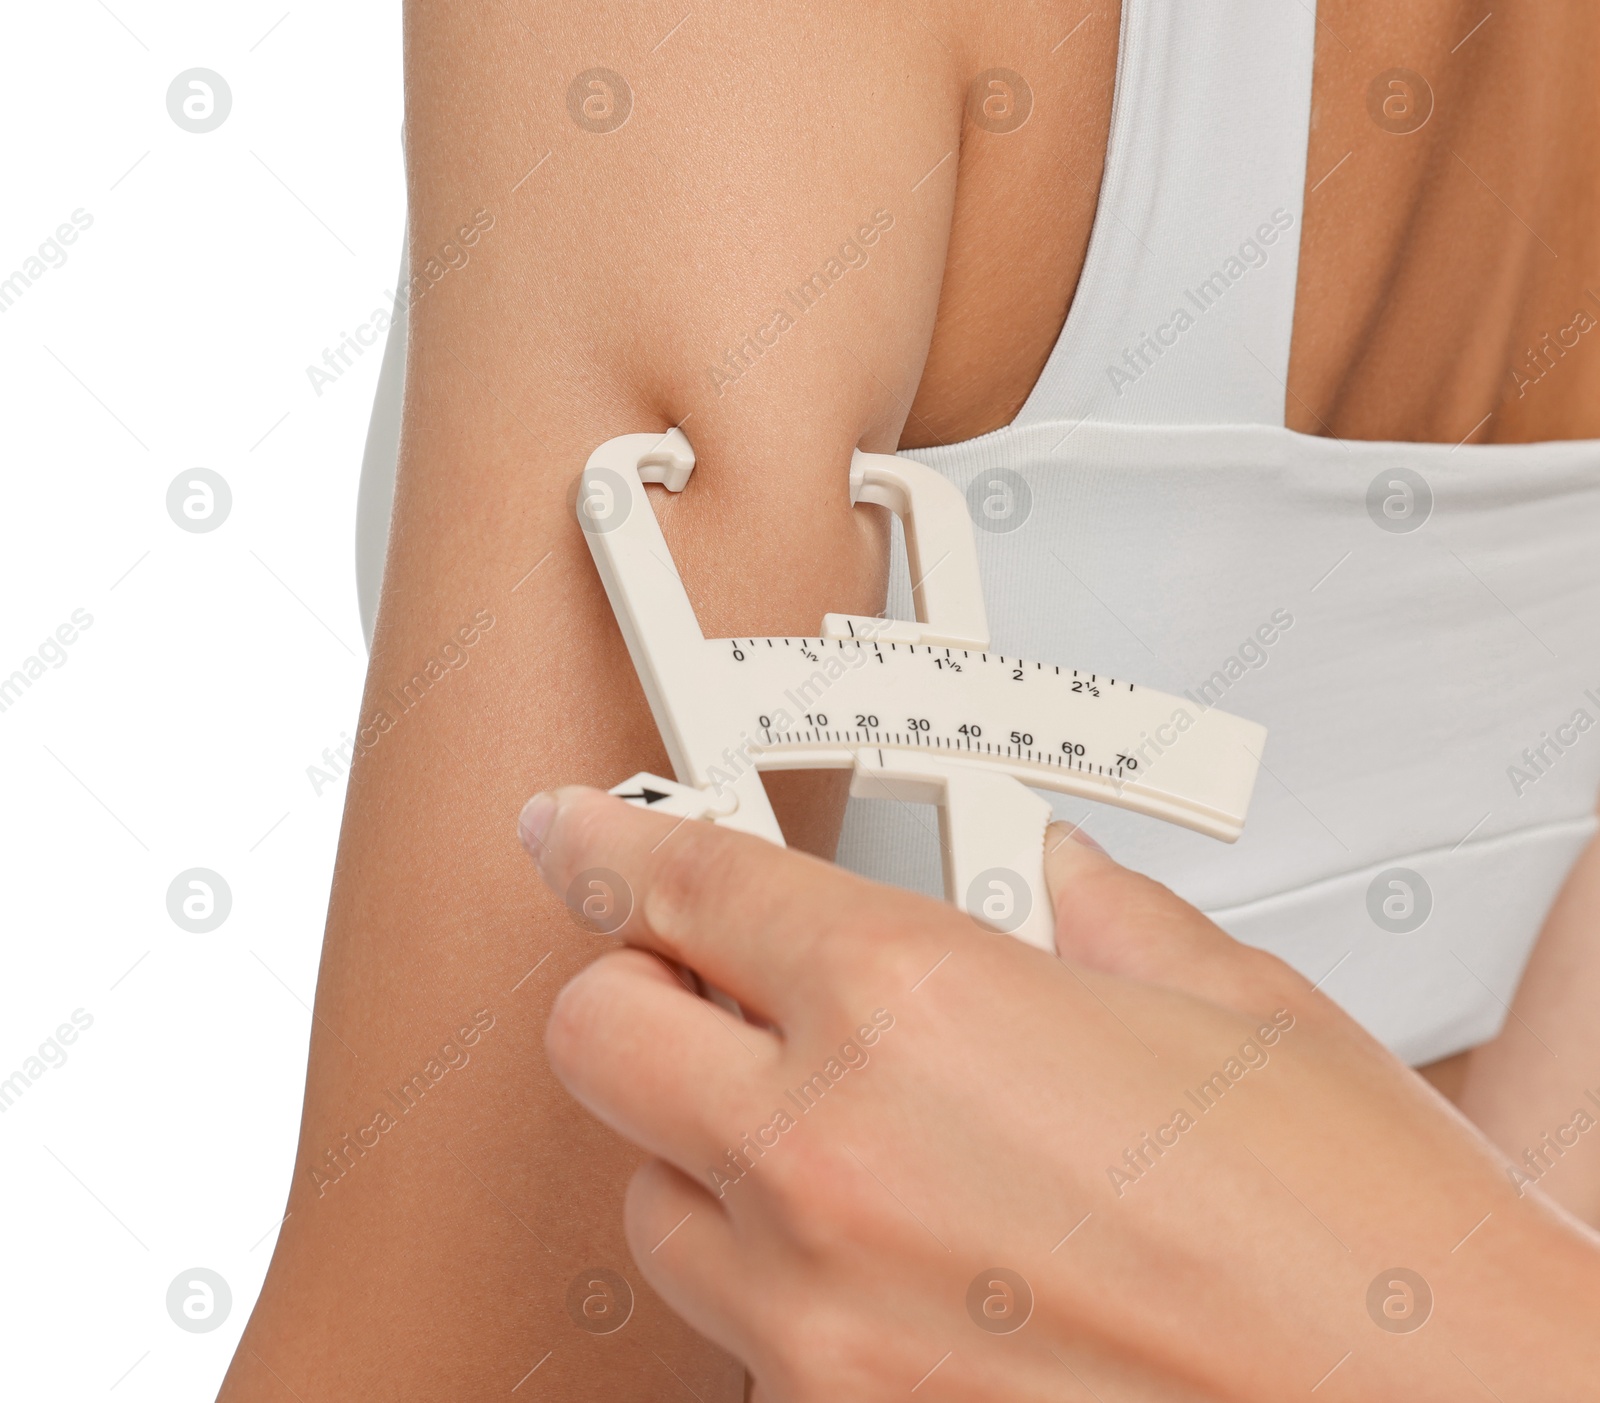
x=919 y=711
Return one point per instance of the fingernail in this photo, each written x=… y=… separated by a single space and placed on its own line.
x=533 y=823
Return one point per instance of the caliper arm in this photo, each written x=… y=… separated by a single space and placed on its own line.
x=918 y=709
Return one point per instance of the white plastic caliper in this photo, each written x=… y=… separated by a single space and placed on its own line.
x=918 y=711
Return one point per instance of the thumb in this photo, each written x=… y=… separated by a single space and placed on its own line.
x=1121 y=922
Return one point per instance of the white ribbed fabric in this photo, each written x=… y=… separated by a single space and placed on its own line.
x=1186 y=301
x=1432 y=693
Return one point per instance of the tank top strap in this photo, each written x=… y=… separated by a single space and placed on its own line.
x=1184 y=309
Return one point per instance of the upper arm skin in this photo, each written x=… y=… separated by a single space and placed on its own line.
x=437 y=1263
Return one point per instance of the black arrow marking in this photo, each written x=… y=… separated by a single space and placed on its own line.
x=650 y=796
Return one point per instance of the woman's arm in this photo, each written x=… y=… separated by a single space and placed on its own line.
x=754 y=254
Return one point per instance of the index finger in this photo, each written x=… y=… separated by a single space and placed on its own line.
x=757 y=921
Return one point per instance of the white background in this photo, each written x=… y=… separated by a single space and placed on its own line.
x=218 y=667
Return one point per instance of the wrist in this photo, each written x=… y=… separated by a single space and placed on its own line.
x=1506 y=1309
x=1508 y=1304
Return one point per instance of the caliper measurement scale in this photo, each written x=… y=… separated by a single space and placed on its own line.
x=920 y=711
x=965 y=739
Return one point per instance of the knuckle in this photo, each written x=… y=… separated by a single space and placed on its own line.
x=822 y=1345
x=888 y=961
x=815 y=1190
x=819 y=1350
x=893 y=939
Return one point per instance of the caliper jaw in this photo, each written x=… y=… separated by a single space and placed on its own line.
x=991 y=835
x=666 y=796
x=991 y=827
x=946 y=593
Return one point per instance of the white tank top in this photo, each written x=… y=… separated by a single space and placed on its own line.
x=1417 y=625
